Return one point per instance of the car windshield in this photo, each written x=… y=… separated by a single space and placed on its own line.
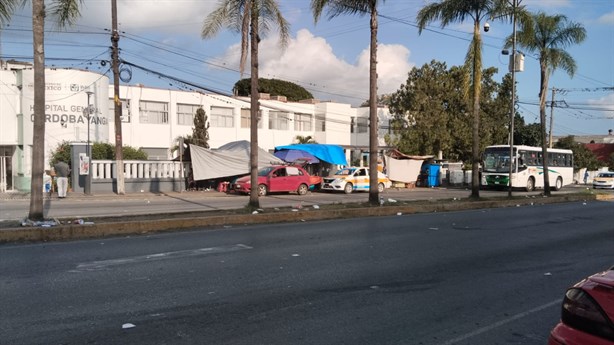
x=265 y=171
x=345 y=172
x=606 y=175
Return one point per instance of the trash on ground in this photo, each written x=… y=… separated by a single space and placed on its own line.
x=316 y=207
x=128 y=325
x=391 y=200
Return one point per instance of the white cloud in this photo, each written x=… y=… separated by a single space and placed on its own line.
x=310 y=62
x=606 y=102
x=607 y=19
x=176 y=16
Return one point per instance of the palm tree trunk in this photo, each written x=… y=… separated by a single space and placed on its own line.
x=38 y=141
x=542 y=119
x=373 y=123
x=477 y=80
x=253 y=126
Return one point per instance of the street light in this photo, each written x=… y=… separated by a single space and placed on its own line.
x=87 y=189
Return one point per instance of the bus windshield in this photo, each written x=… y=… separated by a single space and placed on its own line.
x=497 y=160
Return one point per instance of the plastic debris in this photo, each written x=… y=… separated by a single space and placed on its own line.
x=399 y=214
x=547 y=274
x=255 y=212
x=128 y=325
x=316 y=207
x=391 y=200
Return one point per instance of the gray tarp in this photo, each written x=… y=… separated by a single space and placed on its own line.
x=229 y=160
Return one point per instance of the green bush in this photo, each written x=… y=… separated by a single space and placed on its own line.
x=100 y=151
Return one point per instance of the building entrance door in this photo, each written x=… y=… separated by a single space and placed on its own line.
x=6 y=168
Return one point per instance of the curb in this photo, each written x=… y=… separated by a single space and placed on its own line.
x=107 y=229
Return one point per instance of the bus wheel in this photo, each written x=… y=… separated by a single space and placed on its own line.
x=559 y=183
x=530 y=184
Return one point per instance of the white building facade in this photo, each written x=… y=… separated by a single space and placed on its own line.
x=152 y=119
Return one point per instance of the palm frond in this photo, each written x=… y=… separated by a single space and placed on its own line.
x=66 y=11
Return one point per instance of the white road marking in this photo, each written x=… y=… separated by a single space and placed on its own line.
x=501 y=323
x=104 y=264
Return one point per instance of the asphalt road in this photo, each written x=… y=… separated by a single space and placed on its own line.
x=481 y=277
x=82 y=206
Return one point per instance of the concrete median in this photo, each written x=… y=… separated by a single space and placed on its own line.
x=179 y=222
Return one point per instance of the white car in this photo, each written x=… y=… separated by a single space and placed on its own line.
x=604 y=180
x=354 y=179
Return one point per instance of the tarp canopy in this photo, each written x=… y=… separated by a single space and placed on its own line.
x=329 y=153
x=229 y=160
x=403 y=168
x=292 y=156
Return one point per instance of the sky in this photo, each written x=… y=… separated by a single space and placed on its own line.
x=329 y=58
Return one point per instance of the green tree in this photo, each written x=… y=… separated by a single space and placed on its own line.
x=304 y=139
x=452 y=11
x=582 y=156
x=549 y=36
x=200 y=131
x=524 y=134
x=250 y=18
x=361 y=7
x=430 y=113
x=274 y=87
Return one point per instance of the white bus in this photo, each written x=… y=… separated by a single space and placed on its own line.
x=527 y=169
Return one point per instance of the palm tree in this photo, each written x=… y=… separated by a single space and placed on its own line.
x=249 y=17
x=65 y=12
x=548 y=36
x=452 y=11
x=361 y=7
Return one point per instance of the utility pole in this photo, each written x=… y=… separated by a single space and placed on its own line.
x=119 y=156
x=551 y=118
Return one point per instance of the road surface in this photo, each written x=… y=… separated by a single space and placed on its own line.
x=480 y=277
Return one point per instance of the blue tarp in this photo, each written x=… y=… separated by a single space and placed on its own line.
x=329 y=153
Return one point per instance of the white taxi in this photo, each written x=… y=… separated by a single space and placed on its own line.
x=604 y=180
x=354 y=179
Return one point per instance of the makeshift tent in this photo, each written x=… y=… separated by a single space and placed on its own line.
x=229 y=160
x=328 y=153
x=403 y=168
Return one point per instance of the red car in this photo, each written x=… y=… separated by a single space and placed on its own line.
x=277 y=178
x=587 y=315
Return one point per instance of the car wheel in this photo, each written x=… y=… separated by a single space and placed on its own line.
x=380 y=187
x=302 y=189
x=262 y=190
x=348 y=188
x=559 y=184
x=530 y=184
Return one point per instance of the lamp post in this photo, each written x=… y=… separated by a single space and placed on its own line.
x=87 y=189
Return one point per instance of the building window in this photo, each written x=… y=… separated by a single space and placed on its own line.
x=246 y=118
x=302 y=122
x=362 y=124
x=321 y=123
x=222 y=117
x=153 y=112
x=279 y=120
x=185 y=114
x=125 y=110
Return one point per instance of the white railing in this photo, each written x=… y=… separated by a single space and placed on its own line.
x=105 y=169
